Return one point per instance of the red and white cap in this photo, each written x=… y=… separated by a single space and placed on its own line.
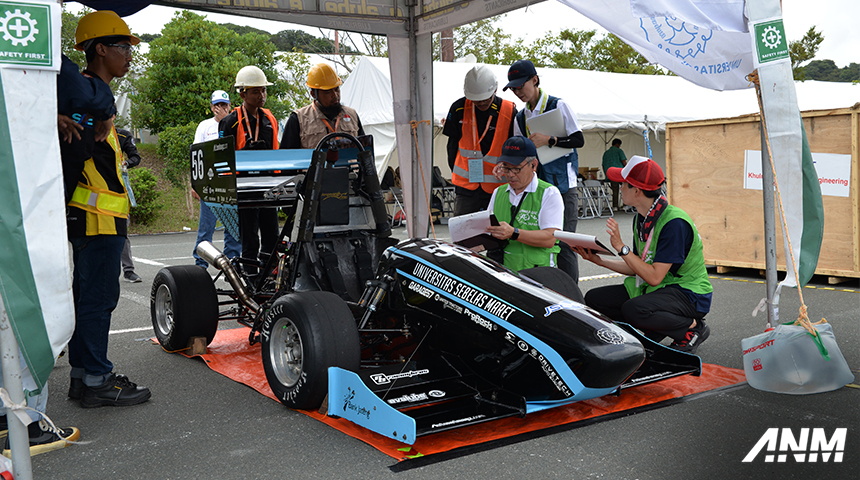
x=641 y=172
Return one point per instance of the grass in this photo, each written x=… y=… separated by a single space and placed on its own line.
x=177 y=210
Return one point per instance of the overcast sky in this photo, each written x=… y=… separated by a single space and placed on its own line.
x=836 y=19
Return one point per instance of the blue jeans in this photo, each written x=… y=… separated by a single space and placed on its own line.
x=205 y=229
x=95 y=287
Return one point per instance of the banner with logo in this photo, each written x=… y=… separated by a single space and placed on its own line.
x=713 y=58
x=35 y=272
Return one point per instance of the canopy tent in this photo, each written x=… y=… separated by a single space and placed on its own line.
x=607 y=105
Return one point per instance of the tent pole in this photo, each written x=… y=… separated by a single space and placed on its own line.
x=771 y=279
x=10 y=362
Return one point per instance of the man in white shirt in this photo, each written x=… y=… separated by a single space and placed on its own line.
x=208 y=130
x=529 y=210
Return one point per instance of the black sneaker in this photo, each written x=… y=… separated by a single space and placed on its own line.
x=117 y=391
x=693 y=338
x=76 y=388
x=44 y=438
x=132 y=277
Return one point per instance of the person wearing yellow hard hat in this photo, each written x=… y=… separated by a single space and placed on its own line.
x=253 y=128
x=309 y=124
x=97 y=214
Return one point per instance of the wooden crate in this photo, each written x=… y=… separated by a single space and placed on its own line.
x=705 y=168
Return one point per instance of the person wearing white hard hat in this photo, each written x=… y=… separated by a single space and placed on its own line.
x=253 y=128
x=208 y=130
x=477 y=126
x=309 y=124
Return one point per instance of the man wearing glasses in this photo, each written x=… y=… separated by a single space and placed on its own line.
x=477 y=126
x=528 y=209
x=97 y=222
x=561 y=172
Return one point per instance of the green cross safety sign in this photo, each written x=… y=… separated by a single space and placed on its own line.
x=26 y=34
x=770 y=42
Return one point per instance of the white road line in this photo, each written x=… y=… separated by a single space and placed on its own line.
x=129 y=330
x=148 y=262
x=136 y=298
x=600 y=277
x=187 y=257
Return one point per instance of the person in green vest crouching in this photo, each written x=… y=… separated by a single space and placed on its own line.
x=528 y=209
x=667 y=292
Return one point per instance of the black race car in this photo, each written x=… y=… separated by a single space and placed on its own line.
x=406 y=339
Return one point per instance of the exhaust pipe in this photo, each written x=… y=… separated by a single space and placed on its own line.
x=213 y=256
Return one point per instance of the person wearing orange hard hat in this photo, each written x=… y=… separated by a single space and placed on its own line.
x=96 y=217
x=309 y=124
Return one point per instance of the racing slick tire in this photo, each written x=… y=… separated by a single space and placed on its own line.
x=183 y=304
x=557 y=280
x=303 y=335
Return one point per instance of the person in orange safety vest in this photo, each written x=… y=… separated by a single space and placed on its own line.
x=477 y=126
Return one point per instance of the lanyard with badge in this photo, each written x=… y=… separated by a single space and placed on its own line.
x=476 y=165
x=248 y=125
x=336 y=122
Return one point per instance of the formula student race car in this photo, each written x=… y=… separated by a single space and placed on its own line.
x=407 y=339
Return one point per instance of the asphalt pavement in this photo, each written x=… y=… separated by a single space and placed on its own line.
x=201 y=425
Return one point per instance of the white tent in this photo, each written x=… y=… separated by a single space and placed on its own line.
x=607 y=105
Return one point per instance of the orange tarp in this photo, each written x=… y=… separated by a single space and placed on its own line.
x=232 y=356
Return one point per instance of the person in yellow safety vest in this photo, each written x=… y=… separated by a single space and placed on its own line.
x=529 y=210
x=97 y=224
x=253 y=128
x=309 y=124
x=477 y=126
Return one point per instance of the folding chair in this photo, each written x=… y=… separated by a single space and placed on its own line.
x=601 y=199
x=586 y=203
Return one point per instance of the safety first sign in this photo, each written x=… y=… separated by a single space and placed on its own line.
x=27 y=34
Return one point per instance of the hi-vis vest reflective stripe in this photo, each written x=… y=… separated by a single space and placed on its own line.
x=99 y=200
x=470 y=148
x=240 y=132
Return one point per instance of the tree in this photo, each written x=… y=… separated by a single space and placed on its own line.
x=193 y=57
x=67 y=36
x=803 y=50
x=300 y=41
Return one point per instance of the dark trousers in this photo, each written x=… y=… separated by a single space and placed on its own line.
x=95 y=287
x=616 y=191
x=567 y=260
x=470 y=201
x=252 y=220
x=667 y=311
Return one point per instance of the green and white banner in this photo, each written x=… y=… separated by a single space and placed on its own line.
x=30 y=34
x=35 y=272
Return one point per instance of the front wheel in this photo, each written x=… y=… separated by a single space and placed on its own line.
x=183 y=304
x=303 y=334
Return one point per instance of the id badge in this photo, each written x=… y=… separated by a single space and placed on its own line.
x=476 y=170
x=639 y=281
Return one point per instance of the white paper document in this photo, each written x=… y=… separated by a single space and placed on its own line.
x=468 y=226
x=589 y=242
x=549 y=123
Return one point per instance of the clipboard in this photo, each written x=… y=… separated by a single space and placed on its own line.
x=549 y=123
x=588 y=242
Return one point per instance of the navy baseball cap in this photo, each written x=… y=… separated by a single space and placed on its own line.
x=519 y=73
x=517 y=149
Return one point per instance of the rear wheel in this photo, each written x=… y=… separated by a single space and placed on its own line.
x=303 y=334
x=183 y=304
x=555 y=279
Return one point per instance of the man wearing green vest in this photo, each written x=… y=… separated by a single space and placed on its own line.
x=667 y=292
x=528 y=209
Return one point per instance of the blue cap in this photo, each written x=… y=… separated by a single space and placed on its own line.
x=517 y=149
x=519 y=73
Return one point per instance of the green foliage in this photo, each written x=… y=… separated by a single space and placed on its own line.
x=581 y=49
x=67 y=36
x=143 y=184
x=174 y=145
x=148 y=37
x=192 y=58
x=827 y=71
x=803 y=50
x=295 y=66
x=300 y=41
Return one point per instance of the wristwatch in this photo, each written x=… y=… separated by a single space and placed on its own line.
x=551 y=142
x=624 y=250
x=516 y=234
